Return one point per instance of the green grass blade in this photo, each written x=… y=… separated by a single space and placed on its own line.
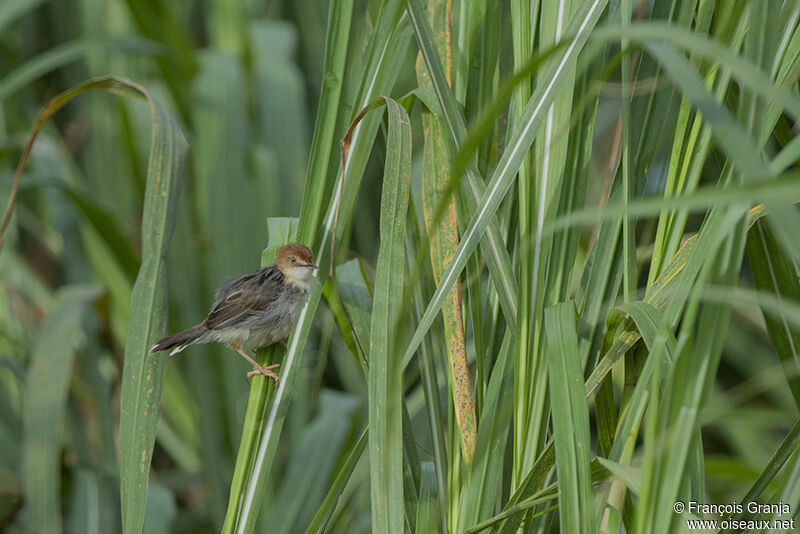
x=36 y=67
x=385 y=372
x=743 y=70
x=730 y=135
x=354 y=287
x=45 y=399
x=11 y=11
x=785 y=450
x=427 y=506
x=774 y=272
x=433 y=404
x=143 y=372
x=495 y=421
x=570 y=420
x=339 y=21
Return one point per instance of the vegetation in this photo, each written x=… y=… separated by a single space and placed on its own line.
x=557 y=247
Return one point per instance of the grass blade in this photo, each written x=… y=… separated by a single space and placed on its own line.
x=385 y=372
x=143 y=372
x=427 y=507
x=570 y=420
x=339 y=20
x=774 y=272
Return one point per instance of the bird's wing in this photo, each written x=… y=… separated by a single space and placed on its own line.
x=252 y=292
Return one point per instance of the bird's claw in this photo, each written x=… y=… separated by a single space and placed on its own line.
x=265 y=371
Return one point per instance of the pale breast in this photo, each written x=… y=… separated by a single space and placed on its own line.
x=263 y=328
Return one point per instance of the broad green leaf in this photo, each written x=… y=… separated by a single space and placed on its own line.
x=143 y=372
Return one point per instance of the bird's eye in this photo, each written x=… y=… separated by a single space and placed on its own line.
x=294 y=260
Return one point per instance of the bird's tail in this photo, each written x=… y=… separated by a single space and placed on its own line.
x=181 y=340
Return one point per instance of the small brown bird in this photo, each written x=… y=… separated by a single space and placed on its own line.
x=256 y=309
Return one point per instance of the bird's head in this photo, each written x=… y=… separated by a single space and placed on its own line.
x=296 y=262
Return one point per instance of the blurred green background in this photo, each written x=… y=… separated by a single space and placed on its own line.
x=243 y=81
x=690 y=121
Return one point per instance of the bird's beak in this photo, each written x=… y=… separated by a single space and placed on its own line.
x=313 y=266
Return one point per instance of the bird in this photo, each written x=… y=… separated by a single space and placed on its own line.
x=255 y=310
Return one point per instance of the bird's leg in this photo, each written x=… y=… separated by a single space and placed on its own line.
x=266 y=371
x=283 y=343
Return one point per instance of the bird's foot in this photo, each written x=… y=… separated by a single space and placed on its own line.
x=265 y=371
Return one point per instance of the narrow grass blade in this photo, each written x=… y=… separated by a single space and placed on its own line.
x=353 y=285
x=112 y=84
x=487 y=469
x=433 y=404
x=385 y=371
x=774 y=272
x=631 y=476
x=40 y=65
x=427 y=506
x=143 y=373
x=743 y=70
x=339 y=21
x=785 y=450
x=45 y=399
x=11 y=11
x=570 y=420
